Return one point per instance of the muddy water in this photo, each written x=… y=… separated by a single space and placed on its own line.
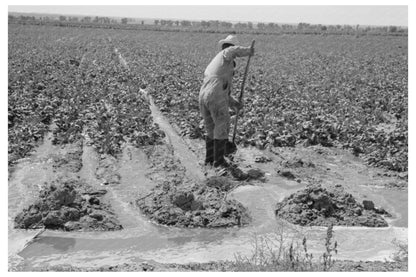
x=29 y=176
x=142 y=240
x=134 y=184
x=331 y=167
x=184 y=246
x=181 y=151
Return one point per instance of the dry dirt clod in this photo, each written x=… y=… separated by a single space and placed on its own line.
x=288 y=174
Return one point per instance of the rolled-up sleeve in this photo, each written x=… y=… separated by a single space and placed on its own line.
x=236 y=51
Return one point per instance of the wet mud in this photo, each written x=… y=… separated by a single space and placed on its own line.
x=195 y=205
x=65 y=201
x=318 y=206
x=68 y=205
x=183 y=202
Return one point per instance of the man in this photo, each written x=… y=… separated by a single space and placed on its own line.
x=215 y=99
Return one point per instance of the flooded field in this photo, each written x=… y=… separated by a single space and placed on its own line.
x=109 y=112
x=142 y=240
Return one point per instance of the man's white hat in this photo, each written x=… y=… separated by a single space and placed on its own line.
x=230 y=39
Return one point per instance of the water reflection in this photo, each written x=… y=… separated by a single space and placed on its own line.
x=45 y=245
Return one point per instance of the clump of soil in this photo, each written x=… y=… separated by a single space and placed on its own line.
x=262 y=159
x=297 y=163
x=195 y=205
x=288 y=174
x=251 y=174
x=68 y=204
x=290 y=168
x=318 y=206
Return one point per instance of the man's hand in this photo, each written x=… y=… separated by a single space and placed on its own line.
x=235 y=105
x=239 y=105
x=251 y=51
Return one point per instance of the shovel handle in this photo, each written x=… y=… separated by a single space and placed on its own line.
x=245 y=73
x=242 y=92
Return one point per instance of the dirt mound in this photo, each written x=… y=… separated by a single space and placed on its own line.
x=68 y=204
x=318 y=206
x=195 y=205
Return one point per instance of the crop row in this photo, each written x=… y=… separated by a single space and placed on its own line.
x=36 y=68
x=71 y=81
x=334 y=91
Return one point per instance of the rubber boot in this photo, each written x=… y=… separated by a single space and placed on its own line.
x=230 y=149
x=219 y=152
x=209 y=150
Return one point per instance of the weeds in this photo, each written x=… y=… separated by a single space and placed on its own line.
x=330 y=247
x=280 y=253
x=402 y=254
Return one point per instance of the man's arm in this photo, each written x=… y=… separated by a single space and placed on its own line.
x=232 y=52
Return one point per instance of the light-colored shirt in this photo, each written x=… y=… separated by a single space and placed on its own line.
x=222 y=65
x=218 y=75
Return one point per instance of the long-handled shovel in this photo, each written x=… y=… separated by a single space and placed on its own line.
x=241 y=95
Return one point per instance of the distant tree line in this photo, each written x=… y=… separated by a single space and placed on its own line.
x=217 y=25
x=63 y=18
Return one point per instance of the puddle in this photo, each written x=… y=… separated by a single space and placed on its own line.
x=203 y=246
x=394 y=201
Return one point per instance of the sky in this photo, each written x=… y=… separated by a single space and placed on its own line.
x=317 y=14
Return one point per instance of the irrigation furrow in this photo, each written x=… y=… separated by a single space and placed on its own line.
x=187 y=158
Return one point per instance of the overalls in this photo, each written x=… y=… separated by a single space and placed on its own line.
x=214 y=96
